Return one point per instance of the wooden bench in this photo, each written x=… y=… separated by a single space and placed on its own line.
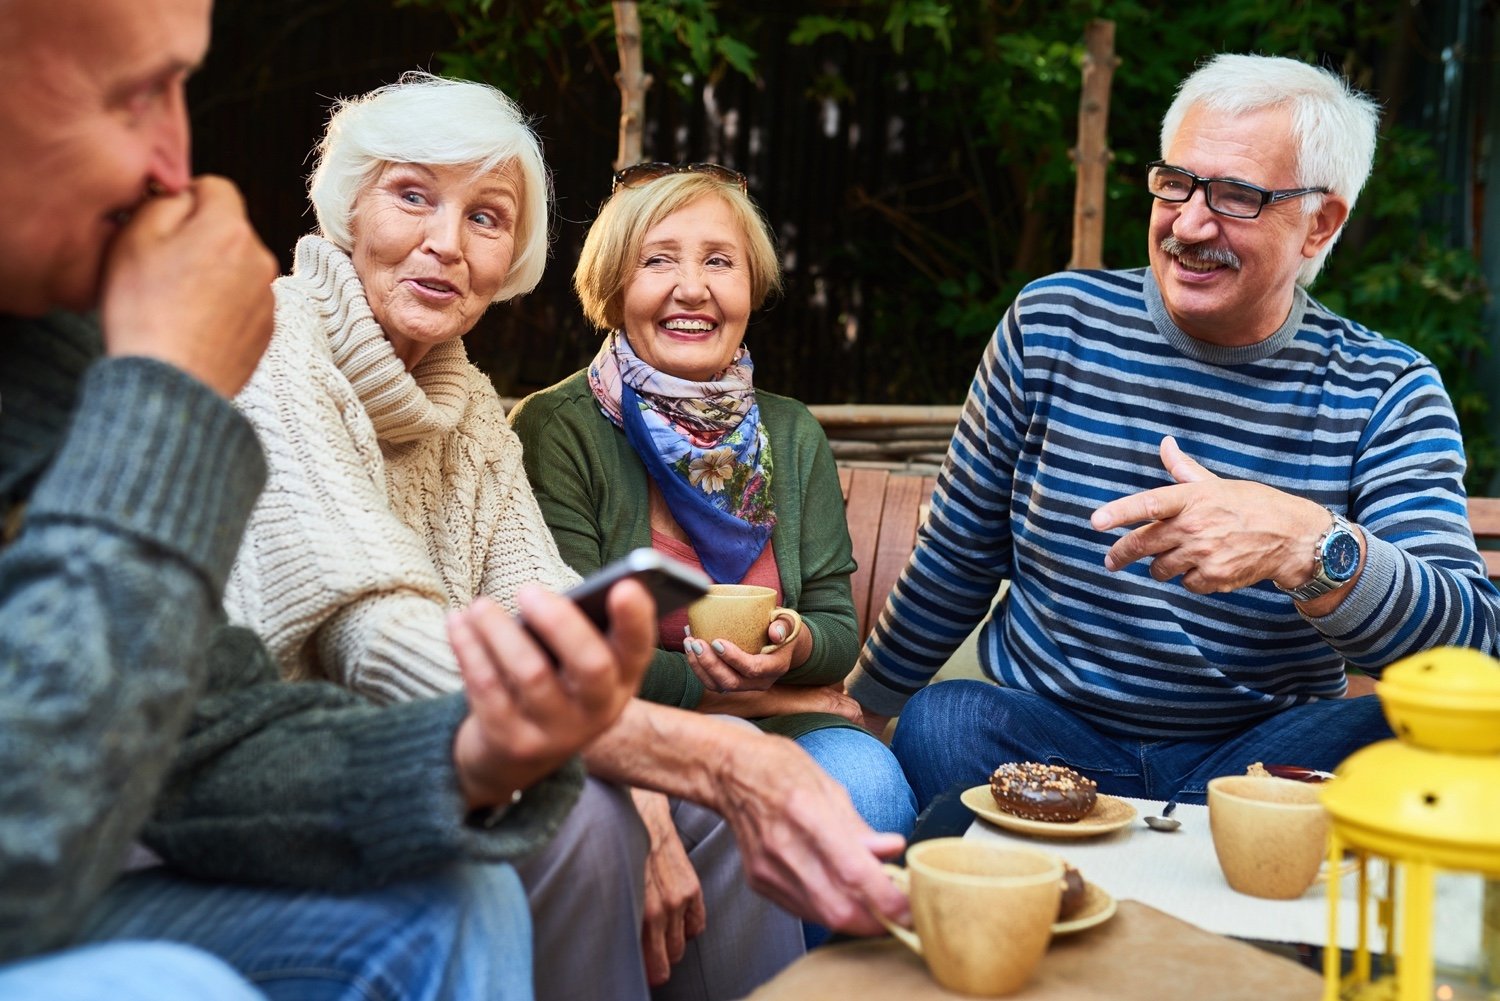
x=1484 y=519
x=885 y=508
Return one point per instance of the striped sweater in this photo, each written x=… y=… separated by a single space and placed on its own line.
x=1082 y=379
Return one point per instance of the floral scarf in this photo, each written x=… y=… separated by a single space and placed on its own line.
x=704 y=446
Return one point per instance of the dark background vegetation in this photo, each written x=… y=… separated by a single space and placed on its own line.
x=912 y=156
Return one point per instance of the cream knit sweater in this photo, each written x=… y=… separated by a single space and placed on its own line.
x=392 y=497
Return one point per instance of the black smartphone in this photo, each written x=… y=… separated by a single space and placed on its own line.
x=671 y=583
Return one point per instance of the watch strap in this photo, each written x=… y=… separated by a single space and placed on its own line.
x=1321 y=583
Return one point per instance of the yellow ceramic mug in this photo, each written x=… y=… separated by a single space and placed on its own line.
x=741 y=614
x=983 y=913
x=1270 y=834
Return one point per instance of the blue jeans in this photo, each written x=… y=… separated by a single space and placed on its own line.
x=124 y=971
x=955 y=733
x=462 y=932
x=868 y=770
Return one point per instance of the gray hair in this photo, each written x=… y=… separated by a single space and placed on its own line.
x=1333 y=125
x=429 y=120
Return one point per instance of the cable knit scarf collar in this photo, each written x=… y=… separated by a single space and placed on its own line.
x=404 y=406
x=704 y=446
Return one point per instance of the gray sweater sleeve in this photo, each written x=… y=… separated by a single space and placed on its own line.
x=310 y=785
x=107 y=598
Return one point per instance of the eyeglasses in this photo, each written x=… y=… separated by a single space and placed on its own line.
x=645 y=173
x=1232 y=198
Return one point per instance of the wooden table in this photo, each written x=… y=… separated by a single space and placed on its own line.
x=1141 y=954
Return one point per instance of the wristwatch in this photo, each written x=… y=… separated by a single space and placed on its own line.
x=1335 y=560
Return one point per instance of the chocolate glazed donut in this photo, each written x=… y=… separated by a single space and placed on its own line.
x=1051 y=793
x=1074 y=893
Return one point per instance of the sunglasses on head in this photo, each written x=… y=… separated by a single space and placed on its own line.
x=644 y=173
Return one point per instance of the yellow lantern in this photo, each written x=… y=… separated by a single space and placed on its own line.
x=1415 y=812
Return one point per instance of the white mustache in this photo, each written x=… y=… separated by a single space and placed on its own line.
x=1195 y=254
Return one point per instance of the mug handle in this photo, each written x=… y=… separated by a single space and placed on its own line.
x=793 y=633
x=905 y=936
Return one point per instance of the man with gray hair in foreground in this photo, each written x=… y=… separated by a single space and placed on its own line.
x=1210 y=494
x=128 y=709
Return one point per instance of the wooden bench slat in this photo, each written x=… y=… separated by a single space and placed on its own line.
x=1484 y=517
x=1484 y=520
x=898 y=537
x=864 y=508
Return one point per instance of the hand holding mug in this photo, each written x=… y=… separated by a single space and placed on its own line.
x=739 y=640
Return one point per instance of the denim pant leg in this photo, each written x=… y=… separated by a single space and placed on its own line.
x=1318 y=735
x=868 y=770
x=124 y=971
x=462 y=932
x=955 y=733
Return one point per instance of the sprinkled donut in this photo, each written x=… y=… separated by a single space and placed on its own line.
x=1034 y=791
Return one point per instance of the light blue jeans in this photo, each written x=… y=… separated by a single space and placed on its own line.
x=870 y=773
x=462 y=932
x=955 y=733
x=124 y=971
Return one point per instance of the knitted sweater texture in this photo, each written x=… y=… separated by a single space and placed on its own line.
x=1083 y=378
x=128 y=709
x=592 y=488
x=393 y=496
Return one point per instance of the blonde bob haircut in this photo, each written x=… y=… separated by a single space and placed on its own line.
x=613 y=245
x=432 y=121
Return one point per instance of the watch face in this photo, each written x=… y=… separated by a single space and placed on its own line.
x=1340 y=556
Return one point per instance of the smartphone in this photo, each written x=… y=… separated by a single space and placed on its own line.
x=671 y=583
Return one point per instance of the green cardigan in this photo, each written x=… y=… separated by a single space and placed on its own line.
x=592 y=488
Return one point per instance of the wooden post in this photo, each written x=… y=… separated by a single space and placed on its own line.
x=632 y=81
x=1092 y=154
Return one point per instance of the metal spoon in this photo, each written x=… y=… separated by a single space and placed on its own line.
x=1166 y=822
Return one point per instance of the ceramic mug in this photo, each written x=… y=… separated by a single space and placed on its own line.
x=982 y=913
x=1270 y=834
x=741 y=614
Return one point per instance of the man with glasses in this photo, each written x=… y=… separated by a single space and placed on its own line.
x=1210 y=495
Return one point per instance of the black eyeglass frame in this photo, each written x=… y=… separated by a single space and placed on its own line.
x=1267 y=195
x=650 y=170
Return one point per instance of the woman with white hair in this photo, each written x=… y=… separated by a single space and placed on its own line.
x=397 y=493
x=396 y=489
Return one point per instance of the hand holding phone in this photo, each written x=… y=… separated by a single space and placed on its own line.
x=671 y=584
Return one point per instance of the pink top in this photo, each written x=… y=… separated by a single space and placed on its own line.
x=763 y=572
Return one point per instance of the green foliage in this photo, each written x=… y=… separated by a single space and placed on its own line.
x=1405 y=280
x=680 y=40
x=995 y=86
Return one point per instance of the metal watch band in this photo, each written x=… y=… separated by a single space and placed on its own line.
x=1321 y=583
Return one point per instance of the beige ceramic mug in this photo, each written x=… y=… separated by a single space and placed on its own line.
x=741 y=614
x=1270 y=834
x=983 y=913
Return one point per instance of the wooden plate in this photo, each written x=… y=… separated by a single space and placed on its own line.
x=1098 y=907
x=1109 y=814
